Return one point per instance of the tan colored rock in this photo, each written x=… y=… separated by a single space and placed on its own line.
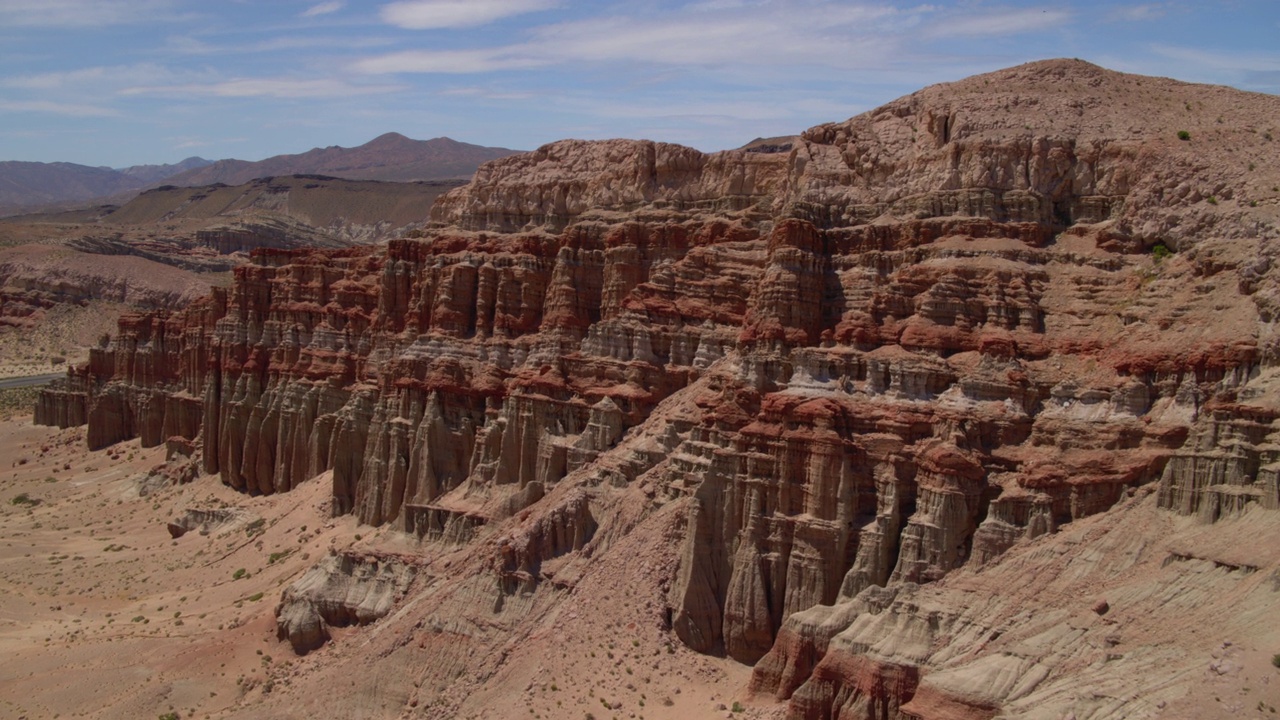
x=342 y=589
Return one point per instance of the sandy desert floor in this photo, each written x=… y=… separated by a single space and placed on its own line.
x=62 y=338
x=103 y=614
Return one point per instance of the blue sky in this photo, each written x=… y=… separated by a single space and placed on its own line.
x=122 y=82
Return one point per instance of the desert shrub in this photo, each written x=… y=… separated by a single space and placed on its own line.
x=1184 y=135
x=1160 y=251
x=1212 y=200
x=241 y=573
x=255 y=597
x=22 y=499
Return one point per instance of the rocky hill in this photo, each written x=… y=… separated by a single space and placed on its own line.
x=961 y=408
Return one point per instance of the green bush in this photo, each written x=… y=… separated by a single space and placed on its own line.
x=1184 y=135
x=1160 y=251
x=241 y=573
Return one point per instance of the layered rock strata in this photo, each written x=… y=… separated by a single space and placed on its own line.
x=894 y=349
x=343 y=589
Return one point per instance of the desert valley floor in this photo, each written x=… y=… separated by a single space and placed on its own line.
x=104 y=614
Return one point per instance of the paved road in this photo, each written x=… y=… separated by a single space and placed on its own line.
x=28 y=381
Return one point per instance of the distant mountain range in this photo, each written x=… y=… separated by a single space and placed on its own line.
x=29 y=184
x=392 y=157
x=155 y=173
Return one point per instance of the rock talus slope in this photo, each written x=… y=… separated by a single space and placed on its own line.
x=866 y=385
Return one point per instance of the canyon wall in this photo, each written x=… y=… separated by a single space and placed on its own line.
x=899 y=347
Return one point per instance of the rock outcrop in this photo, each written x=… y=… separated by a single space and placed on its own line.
x=343 y=589
x=897 y=349
x=206 y=520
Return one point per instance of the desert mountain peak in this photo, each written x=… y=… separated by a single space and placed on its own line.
x=1068 y=98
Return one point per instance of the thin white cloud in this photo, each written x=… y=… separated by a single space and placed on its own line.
x=486 y=94
x=435 y=14
x=266 y=87
x=56 y=108
x=81 y=13
x=850 y=36
x=699 y=110
x=55 y=80
x=1137 y=13
x=723 y=34
x=90 y=78
x=447 y=62
x=185 y=45
x=187 y=142
x=1251 y=62
x=999 y=23
x=323 y=8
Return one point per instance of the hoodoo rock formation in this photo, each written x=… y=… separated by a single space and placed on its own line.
x=905 y=347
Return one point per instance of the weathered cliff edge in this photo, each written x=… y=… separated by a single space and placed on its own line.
x=900 y=347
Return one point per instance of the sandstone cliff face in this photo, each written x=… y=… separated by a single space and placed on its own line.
x=895 y=351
